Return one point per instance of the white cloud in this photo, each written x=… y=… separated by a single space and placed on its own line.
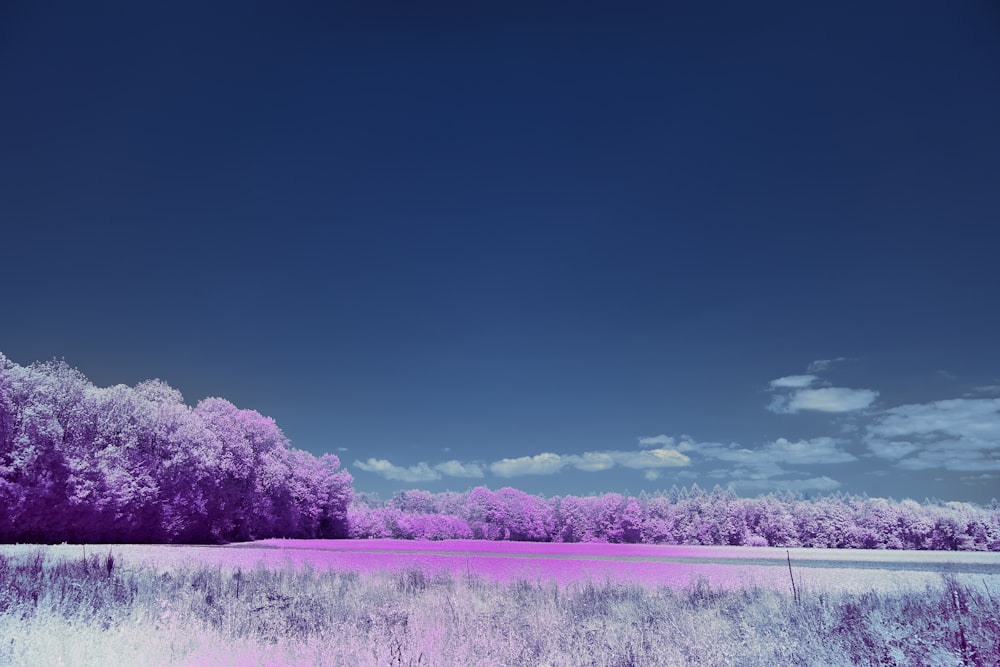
x=592 y=461
x=545 y=463
x=822 y=364
x=652 y=475
x=958 y=434
x=892 y=449
x=770 y=461
x=826 y=399
x=964 y=417
x=418 y=473
x=950 y=455
x=458 y=469
x=683 y=443
x=664 y=440
x=650 y=458
x=793 y=381
x=795 y=393
x=821 y=450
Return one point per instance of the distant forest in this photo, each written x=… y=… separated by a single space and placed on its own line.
x=685 y=516
x=80 y=463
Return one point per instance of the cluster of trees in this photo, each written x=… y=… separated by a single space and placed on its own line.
x=680 y=517
x=80 y=463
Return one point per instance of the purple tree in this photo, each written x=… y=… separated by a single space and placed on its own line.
x=576 y=519
x=121 y=464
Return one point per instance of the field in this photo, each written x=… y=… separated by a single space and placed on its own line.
x=475 y=603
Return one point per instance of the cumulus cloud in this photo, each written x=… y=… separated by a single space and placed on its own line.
x=592 y=461
x=650 y=458
x=795 y=393
x=958 y=434
x=458 y=469
x=825 y=399
x=683 y=443
x=832 y=399
x=418 y=473
x=548 y=463
x=545 y=463
x=793 y=381
x=892 y=449
x=662 y=440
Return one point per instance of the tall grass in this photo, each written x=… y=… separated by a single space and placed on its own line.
x=101 y=611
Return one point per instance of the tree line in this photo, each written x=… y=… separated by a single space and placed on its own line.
x=685 y=516
x=80 y=463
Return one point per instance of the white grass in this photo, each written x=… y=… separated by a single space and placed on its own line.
x=55 y=611
x=829 y=570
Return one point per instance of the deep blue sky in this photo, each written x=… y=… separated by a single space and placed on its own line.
x=513 y=239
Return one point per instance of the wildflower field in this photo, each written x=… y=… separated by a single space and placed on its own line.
x=275 y=604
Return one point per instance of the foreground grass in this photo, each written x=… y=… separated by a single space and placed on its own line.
x=104 y=612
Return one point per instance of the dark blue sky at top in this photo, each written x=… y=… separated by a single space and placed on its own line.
x=504 y=235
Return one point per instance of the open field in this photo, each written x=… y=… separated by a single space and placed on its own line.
x=828 y=570
x=272 y=604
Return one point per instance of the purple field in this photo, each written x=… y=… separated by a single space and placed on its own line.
x=853 y=570
x=378 y=602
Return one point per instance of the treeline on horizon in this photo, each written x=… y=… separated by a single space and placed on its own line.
x=80 y=463
x=680 y=516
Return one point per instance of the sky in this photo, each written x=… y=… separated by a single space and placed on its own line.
x=571 y=248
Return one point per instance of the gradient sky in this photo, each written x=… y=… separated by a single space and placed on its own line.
x=566 y=248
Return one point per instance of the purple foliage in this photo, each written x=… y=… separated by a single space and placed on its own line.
x=692 y=517
x=120 y=464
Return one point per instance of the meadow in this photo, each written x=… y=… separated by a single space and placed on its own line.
x=177 y=606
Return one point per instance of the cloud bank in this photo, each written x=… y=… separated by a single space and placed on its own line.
x=960 y=434
x=548 y=463
x=418 y=473
x=421 y=472
x=765 y=464
x=458 y=469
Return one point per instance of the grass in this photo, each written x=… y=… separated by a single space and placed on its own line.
x=102 y=611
